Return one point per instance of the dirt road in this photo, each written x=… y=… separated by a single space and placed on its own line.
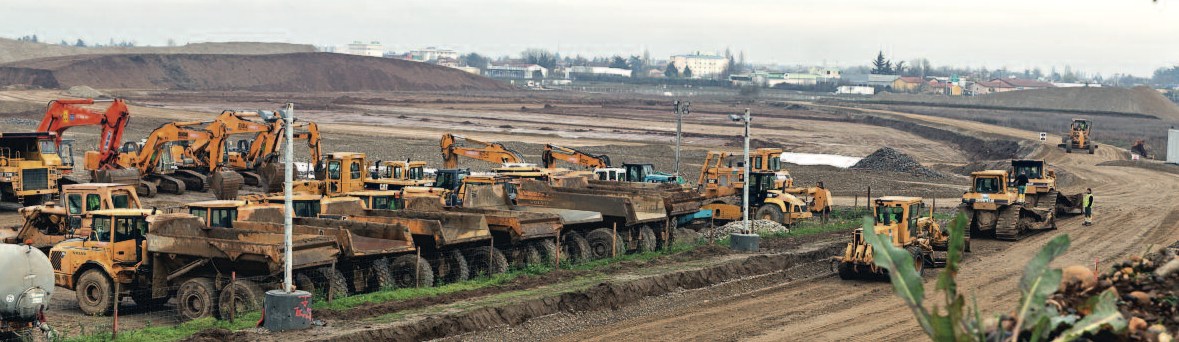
x=1134 y=209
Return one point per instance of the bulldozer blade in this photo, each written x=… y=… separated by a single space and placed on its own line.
x=225 y=184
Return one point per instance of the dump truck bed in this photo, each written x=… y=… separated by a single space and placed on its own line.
x=356 y=239
x=447 y=228
x=187 y=236
x=630 y=208
x=676 y=199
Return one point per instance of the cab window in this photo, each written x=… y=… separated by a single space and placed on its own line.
x=222 y=218
x=396 y=172
x=101 y=229
x=121 y=201
x=986 y=185
x=129 y=228
x=384 y=202
x=417 y=173
x=355 y=170
x=333 y=170
x=199 y=212
x=889 y=215
x=74 y=203
x=306 y=208
x=775 y=163
x=93 y=202
x=757 y=163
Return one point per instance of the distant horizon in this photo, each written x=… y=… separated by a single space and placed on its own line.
x=1127 y=37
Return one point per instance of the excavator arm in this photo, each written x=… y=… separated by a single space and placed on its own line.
x=149 y=156
x=553 y=153
x=62 y=114
x=488 y=151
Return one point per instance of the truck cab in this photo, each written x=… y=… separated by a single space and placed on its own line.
x=29 y=167
x=82 y=198
x=394 y=175
x=1040 y=178
x=770 y=160
x=115 y=246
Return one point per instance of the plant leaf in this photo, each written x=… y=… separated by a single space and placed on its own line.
x=905 y=281
x=1039 y=281
x=1105 y=313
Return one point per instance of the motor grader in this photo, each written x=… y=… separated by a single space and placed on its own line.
x=1080 y=136
x=994 y=206
x=901 y=219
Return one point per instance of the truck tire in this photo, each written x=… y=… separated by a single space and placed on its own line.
x=647 y=241
x=524 y=256
x=486 y=261
x=197 y=298
x=331 y=280
x=1092 y=147
x=304 y=282
x=770 y=212
x=239 y=297
x=600 y=241
x=403 y=268
x=451 y=267
x=846 y=272
x=918 y=260
x=575 y=247
x=95 y=292
x=382 y=276
x=548 y=251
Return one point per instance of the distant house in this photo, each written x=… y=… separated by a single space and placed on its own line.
x=942 y=88
x=702 y=66
x=595 y=71
x=907 y=84
x=855 y=90
x=372 y=49
x=870 y=80
x=1000 y=85
x=517 y=71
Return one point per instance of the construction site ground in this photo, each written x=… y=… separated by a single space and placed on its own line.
x=788 y=292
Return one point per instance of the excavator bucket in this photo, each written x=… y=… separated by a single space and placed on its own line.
x=225 y=184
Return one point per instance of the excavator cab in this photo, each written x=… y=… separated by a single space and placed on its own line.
x=65 y=151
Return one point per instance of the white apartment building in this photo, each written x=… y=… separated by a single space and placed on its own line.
x=372 y=49
x=702 y=66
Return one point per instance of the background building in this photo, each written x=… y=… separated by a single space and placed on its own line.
x=372 y=49
x=432 y=53
x=702 y=66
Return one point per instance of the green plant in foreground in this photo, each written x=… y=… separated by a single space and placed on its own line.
x=1033 y=315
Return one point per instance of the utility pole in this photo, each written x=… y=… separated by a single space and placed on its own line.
x=288 y=221
x=681 y=109
x=745 y=186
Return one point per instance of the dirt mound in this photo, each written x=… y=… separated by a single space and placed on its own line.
x=83 y=91
x=13 y=50
x=888 y=159
x=219 y=335
x=294 y=72
x=1106 y=100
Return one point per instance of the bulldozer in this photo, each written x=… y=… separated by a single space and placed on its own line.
x=1080 y=136
x=454 y=146
x=1041 y=191
x=995 y=206
x=900 y=218
x=721 y=187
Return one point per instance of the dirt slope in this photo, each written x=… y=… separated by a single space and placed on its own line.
x=295 y=72
x=13 y=50
x=1138 y=100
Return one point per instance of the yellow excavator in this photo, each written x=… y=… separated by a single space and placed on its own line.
x=256 y=158
x=154 y=162
x=899 y=218
x=454 y=146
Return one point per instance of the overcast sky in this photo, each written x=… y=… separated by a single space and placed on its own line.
x=1106 y=36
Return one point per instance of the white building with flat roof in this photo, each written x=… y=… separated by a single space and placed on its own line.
x=432 y=53
x=702 y=66
x=372 y=49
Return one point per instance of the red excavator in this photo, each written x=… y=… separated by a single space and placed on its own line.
x=61 y=114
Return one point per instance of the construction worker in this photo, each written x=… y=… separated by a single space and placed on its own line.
x=1087 y=203
x=1021 y=182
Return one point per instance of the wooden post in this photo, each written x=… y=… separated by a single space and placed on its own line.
x=614 y=242
x=232 y=295
x=490 y=253
x=417 y=269
x=330 y=283
x=868 y=204
x=115 y=325
x=557 y=261
x=712 y=224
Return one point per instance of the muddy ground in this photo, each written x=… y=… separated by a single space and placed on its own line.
x=636 y=129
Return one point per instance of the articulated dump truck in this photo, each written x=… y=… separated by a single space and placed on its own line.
x=156 y=257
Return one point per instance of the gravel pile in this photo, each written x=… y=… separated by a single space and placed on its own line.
x=758 y=226
x=84 y=91
x=888 y=159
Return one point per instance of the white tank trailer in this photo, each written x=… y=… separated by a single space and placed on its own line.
x=25 y=286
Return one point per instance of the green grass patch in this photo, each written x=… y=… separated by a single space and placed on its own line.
x=407 y=294
x=170 y=332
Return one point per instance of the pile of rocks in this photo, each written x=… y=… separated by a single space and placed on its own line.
x=1147 y=288
x=891 y=160
x=758 y=226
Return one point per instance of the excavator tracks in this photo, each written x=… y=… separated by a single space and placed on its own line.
x=195 y=181
x=171 y=185
x=1007 y=225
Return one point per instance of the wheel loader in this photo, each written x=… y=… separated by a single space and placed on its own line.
x=1080 y=136
x=994 y=206
x=900 y=218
